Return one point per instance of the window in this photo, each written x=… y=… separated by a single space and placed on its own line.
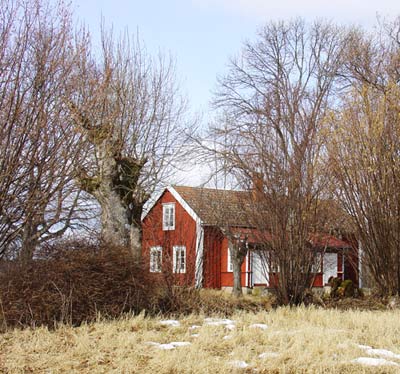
x=169 y=216
x=179 y=262
x=229 y=266
x=317 y=263
x=155 y=259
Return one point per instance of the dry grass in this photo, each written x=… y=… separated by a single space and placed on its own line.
x=297 y=340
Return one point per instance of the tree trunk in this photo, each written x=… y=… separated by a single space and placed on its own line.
x=114 y=219
x=29 y=243
x=136 y=242
x=237 y=276
x=238 y=254
x=120 y=212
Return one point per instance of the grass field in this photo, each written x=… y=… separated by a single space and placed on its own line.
x=297 y=340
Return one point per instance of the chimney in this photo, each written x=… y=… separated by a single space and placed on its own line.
x=257 y=184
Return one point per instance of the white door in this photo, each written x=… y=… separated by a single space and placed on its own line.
x=260 y=270
x=329 y=266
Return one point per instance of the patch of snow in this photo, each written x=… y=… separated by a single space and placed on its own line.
x=166 y=346
x=194 y=327
x=180 y=344
x=364 y=346
x=230 y=327
x=170 y=322
x=239 y=364
x=218 y=322
x=382 y=353
x=152 y=343
x=227 y=337
x=261 y=326
x=268 y=355
x=369 y=361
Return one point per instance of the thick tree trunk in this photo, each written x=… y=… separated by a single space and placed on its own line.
x=114 y=218
x=113 y=188
x=237 y=277
x=136 y=242
x=238 y=254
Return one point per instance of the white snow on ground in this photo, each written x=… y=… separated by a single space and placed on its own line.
x=370 y=361
x=194 y=327
x=230 y=327
x=239 y=364
x=268 y=355
x=218 y=322
x=227 y=337
x=379 y=352
x=180 y=344
x=170 y=322
x=168 y=346
x=261 y=326
x=364 y=346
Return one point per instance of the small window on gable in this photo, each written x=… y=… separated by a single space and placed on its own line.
x=179 y=260
x=155 y=259
x=229 y=266
x=169 y=216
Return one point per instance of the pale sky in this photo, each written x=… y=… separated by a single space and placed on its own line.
x=203 y=34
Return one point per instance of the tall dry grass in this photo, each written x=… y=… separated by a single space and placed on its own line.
x=297 y=340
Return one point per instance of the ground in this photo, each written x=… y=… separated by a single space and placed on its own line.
x=285 y=340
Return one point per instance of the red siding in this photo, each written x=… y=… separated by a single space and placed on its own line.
x=212 y=257
x=227 y=277
x=184 y=234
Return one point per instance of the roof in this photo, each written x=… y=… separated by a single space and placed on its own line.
x=329 y=241
x=320 y=241
x=218 y=207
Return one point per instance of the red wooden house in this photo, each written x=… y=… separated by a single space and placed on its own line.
x=183 y=236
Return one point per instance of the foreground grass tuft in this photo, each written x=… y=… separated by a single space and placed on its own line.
x=285 y=340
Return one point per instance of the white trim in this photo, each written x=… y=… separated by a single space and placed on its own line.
x=360 y=264
x=198 y=275
x=246 y=281
x=159 y=267
x=182 y=202
x=229 y=265
x=175 y=265
x=165 y=224
x=199 y=230
x=151 y=202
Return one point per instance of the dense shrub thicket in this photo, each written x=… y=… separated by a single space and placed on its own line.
x=76 y=282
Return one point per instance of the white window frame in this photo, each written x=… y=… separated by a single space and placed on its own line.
x=168 y=216
x=155 y=259
x=229 y=265
x=317 y=263
x=178 y=266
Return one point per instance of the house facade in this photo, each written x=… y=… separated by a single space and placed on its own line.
x=187 y=236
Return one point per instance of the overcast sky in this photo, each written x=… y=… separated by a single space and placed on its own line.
x=203 y=34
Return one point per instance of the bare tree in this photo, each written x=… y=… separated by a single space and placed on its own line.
x=38 y=146
x=365 y=154
x=130 y=111
x=276 y=97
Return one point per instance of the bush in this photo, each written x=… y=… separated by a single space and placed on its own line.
x=75 y=282
x=72 y=283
